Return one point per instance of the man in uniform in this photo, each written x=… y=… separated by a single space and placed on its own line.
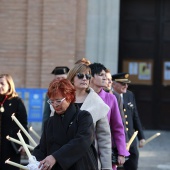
x=132 y=120
x=59 y=73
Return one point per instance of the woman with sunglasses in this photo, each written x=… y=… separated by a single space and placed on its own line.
x=87 y=99
x=68 y=136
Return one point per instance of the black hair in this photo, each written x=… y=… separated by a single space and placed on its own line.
x=96 y=68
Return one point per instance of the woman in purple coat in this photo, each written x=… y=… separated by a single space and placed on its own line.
x=98 y=81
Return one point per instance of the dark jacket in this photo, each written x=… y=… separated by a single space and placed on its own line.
x=46 y=111
x=120 y=104
x=69 y=141
x=133 y=122
x=9 y=127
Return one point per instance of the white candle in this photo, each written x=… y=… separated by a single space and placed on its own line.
x=35 y=133
x=18 y=142
x=131 y=140
x=15 y=164
x=24 y=144
x=22 y=128
x=151 y=138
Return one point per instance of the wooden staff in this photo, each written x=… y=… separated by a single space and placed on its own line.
x=131 y=140
x=151 y=138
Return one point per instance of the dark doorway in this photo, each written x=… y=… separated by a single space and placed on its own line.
x=145 y=34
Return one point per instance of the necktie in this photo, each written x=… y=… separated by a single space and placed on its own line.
x=121 y=95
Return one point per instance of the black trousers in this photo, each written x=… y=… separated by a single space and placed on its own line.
x=132 y=162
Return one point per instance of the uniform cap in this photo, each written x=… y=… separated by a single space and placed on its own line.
x=121 y=77
x=60 y=70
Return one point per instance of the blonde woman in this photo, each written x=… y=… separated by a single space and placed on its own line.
x=89 y=100
x=10 y=103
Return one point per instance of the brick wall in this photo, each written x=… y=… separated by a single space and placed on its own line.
x=13 y=39
x=36 y=36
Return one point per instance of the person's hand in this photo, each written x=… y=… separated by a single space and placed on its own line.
x=121 y=160
x=47 y=163
x=22 y=150
x=141 y=143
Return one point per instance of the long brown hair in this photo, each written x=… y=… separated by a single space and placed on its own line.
x=78 y=68
x=11 y=92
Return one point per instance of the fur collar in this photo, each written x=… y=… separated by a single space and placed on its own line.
x=95 y=105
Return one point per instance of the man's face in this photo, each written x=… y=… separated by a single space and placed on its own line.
x=60 y=76
x=99 y=80
x=120 y=87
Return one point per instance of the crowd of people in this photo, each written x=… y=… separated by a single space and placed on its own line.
x=87 y=113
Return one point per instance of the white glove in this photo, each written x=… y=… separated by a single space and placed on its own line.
x=33 y=163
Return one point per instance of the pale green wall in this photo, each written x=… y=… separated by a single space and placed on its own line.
x=102 y=32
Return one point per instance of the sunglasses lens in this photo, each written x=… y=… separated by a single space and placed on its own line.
x=88 y=76
x=80 y=76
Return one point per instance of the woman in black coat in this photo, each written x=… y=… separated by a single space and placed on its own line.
x=68 y=136
x=10 y=103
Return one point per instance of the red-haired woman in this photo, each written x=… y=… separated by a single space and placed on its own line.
x=68 y=136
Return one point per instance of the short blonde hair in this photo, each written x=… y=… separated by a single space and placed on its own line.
x=107 y=71
x=11 y=92
x=83 y=61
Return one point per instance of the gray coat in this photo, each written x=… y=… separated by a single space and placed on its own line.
x=98 y=109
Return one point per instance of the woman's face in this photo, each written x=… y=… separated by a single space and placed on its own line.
x=59 y=103
x=99 y=80
x=4 y=86
x=109 y=80
x=81 y=80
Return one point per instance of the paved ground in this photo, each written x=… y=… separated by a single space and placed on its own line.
x=154 y=156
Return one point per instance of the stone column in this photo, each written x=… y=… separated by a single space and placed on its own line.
x=103 y=32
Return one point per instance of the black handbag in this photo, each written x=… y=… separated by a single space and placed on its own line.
x=115 y=156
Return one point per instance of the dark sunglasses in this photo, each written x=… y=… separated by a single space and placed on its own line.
x=123 y=84
x=81 y=76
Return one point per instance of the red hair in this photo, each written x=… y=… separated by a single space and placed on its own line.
x=64 y=87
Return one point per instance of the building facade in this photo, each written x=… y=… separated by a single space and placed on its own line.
x=36 y=36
